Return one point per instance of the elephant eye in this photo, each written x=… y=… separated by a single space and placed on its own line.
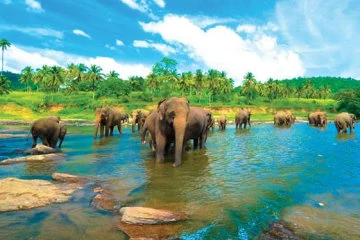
x=171 y=114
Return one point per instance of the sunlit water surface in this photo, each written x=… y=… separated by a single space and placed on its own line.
x=232 y=190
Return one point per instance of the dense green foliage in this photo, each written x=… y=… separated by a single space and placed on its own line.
x=210 y=88
x=349 y=101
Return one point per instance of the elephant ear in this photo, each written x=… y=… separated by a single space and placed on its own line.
x=162 y=109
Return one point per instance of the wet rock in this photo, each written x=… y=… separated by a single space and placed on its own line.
x=34 y=158
x=105 y=201
x=17 y=194
x=65 y=177
x=153 y=232
x=40 y=149
x=10 y=135
x=143 y=215
x=280 y=230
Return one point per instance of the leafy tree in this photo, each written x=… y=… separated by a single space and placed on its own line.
x=94 y=75
x=249 y=87
x=55 y=79
x=199 y=81
x=75 y=75
x=137 y=83
x=41 y=75
x=349 y=101
x=4 y=85
x=4 y=45
x=113 y=87
x=26 y=77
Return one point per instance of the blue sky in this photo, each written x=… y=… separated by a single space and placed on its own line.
x=270 y=38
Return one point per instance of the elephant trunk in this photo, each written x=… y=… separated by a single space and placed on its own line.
x=179 y=128
x=97 y=123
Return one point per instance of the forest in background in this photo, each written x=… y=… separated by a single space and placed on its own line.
x=80 y=87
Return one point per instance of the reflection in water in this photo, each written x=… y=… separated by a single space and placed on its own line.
x=345 y=136
x=243 y=180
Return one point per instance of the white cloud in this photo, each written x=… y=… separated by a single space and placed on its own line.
x=247 y=28
x=142 y=6
x=34 y=6
x=81 y=33
x=163 y=48
x=326 y=34
x=37 y=32
x=119 y=42
x=110 y=47
x=205 y=21
x=18 y=57
x=160 y=3
x=223 y=49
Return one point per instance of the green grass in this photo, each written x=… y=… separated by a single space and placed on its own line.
x=28 y=106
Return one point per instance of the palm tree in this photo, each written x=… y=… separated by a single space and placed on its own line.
x=41 y=75
x=249 y=87
x=55 y=78
x=4 y=45
x=94 y=74
x=75 y=73
x=4 y=85
x=112 y=75
x=27 y=75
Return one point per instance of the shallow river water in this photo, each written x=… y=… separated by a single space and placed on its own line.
x=243 y=181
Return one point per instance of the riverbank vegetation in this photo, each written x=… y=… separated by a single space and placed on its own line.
x=75 y=91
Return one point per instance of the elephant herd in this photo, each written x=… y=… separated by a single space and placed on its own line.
x=174 y=122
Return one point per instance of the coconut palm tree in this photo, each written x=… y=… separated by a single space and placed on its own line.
x=4 y=45
x=4 y=85
x=112 y=75
x=249 y=87
x=41 y=75
x=55 y=78
x=94 y=74
x=26 y=77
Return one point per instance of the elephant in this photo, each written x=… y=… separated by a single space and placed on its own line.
x=149 y=125
x=222 y=122
x=138 y=117
x=242 y=118
x=107 y=118
x=171 y=125
x=49 y=129
x=210 y=120
x=343 y=121
x=284 y=118
x=318 y=119
x=197 y=126
x=124 y=117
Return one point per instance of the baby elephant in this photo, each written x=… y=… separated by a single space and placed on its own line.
x=49 y=130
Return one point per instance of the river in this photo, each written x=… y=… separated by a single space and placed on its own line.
x=233 y=189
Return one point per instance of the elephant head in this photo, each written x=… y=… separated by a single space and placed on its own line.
x=353 y=119
x=322 y=119
x=174 y=113
x=135 y=116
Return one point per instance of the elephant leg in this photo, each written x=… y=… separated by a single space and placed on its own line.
x=119 y=128
x=107 y=131
x=160 y=148
x=102 y=128
x=111 y=131
x=196 y=143
x=44 y=141
x=34 y=141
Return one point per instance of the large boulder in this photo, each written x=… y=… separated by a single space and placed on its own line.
x=17 y=194
x=34 y=158
x=143 y=215
x=151 y=232
x=70 y=178
x=104 y=200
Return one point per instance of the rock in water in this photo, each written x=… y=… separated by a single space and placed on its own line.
x=34 y=158
x=17 y=194
x=40 y=149
x=143 y=215
x=65 y=177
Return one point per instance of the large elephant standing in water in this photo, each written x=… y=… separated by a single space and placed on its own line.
x=197 y=126
x=138 y=117
x=284 y=118
x=318 y=119
x=49 y=130
x=171 y=125
x=242 y=118
x=343 y=121
x=107 y=118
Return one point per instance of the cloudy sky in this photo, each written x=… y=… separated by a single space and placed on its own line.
x=270 y=38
